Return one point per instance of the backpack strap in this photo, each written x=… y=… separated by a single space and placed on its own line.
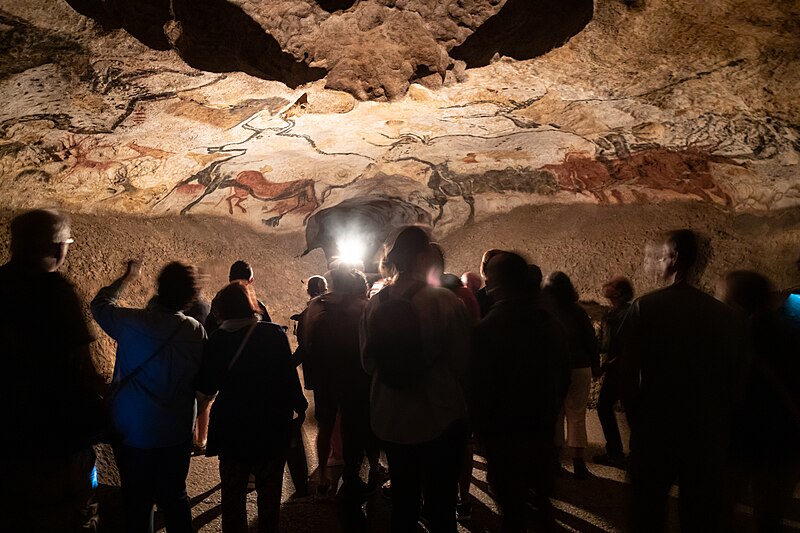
x=242 y=345
x=117 y=386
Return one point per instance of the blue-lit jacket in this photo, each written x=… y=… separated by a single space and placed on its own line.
x=157 y=407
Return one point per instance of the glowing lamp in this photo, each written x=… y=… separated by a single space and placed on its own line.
x=351 y=250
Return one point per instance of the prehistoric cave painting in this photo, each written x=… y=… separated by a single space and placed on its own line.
x=296 y=196
x=685 y=172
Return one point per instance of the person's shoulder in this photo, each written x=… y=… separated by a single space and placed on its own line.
x=194 y=324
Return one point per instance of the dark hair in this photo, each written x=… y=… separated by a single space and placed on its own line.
x=535 y=278
x=240 y=270
x=316 y=285
x=437 y=255
x=34 y=233
x=559 y=289
x=448 y=280
x=509 y=271
x=487 y=256
x=620 y=288
x=684 y=243
x=177 y=286
x=348 y=281
x=749 y=290
x=235 y=300
x=410 y=242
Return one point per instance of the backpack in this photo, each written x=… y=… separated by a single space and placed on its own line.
x=396 y=339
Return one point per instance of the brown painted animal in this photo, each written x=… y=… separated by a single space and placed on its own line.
x=293 y=195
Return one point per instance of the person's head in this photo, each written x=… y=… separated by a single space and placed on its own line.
x=472 y=281
x=437 y=265
x=678 y=255
x=241 y=271
x=487 y=256
x=348 y=282
x=450 y=281
x=535 y=279
x=508 y=276
x=41 y=239
x=235 y=300
x=747 y=290
x=559 y=290
x=177 y=286
x=410 y=252
x=618 y=290
x=316 y=285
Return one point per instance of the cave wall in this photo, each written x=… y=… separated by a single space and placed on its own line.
x=429 y=107
x=589 y=242
x=96 y=121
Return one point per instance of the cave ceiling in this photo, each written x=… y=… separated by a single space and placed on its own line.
x=274 y=112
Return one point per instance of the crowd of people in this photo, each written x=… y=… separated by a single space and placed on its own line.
x=422 y=365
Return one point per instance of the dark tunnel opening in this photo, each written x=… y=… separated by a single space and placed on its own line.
x=361 y=225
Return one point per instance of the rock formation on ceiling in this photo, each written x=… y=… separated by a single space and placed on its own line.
x=371 y=50
x=172 y=113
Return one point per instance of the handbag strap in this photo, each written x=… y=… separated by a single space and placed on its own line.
x=242 y=345
x=116 y=387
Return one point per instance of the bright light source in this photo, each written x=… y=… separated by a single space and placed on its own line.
x=351 y=250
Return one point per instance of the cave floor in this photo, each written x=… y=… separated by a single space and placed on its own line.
x=594 y=505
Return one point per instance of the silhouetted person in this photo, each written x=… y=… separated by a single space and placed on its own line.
x=153 y=397
x=767 y=425
x=682 y=363
x=619 y=292
x=249 y=364
x=482 y=295
x=519 y=374
x=331 y=344
x=240 y=271
x=561 y=299
x=46 y=457
x=415 y=345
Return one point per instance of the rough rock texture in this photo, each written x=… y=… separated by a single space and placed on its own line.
x=370 y=49
x=647 y=105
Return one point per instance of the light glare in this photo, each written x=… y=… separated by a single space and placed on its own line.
x=351 y=250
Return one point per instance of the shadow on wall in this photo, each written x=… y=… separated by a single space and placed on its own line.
x=210 y=35
x=524 y=29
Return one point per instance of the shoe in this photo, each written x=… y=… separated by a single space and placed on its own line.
x=251 y=483
x=579 y=469
x=386 y=490
x=616 y=461
x=198 y=449
x=463 y=512
x=376 y=477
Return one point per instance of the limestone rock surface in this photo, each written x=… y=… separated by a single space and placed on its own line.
x=650 y=103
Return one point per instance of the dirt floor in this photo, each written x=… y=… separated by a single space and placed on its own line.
x=595 y=505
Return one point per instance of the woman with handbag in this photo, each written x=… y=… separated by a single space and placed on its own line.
x=248 y=366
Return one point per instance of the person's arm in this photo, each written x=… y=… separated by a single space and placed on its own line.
x=367 y=357
x=210 y=375
x=591 y=345
x=297 y=400
x=630 y=359
x=105 y=304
